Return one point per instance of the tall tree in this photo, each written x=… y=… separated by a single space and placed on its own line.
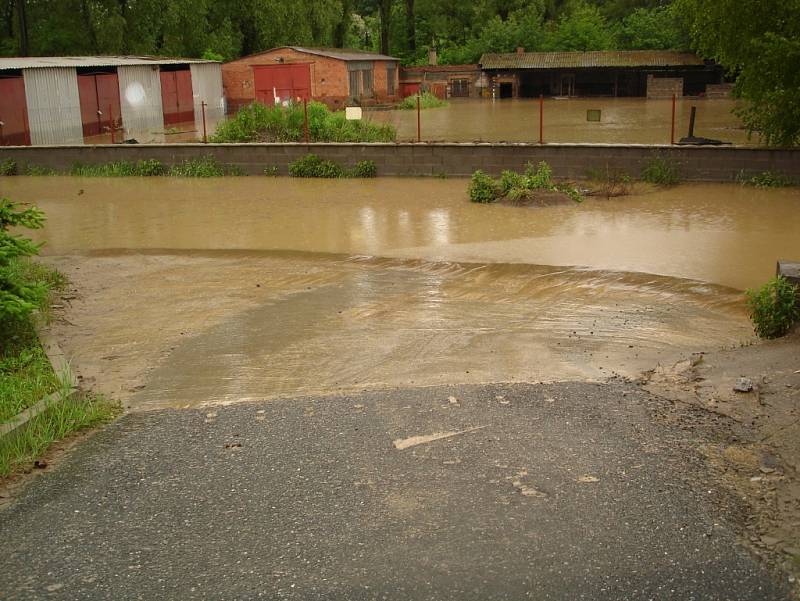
x=411 y=26
x=385 y=8
x=22 y=15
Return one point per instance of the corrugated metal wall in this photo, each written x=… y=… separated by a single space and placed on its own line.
x=54 y=108
x=140 y=95
x=207 y=87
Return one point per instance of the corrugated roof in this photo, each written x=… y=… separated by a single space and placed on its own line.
x=33 y=62
x=345 y=54
x=578 y=60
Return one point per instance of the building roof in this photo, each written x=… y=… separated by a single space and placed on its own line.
x=440 y=68
x=33 y=62
x=342 y=54
x=583 y=60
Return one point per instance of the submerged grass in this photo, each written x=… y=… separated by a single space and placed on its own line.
x=765 y=179
x=26 y=377
x=313 y=166
x=518 y=187
x=260 y=123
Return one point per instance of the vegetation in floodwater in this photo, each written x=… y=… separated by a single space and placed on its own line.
x=660 y=170
x=260 y=123
x=774 y=307
x=427 y=100
x=26 y=375
x=271 y=171
x=144 y=168
x=610 y=182
x=35 y=170
x=519 y=187
x=206 y=166
x=8 y=167
x=313 y=166
x=765 y=179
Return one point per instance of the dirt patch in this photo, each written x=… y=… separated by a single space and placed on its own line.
x=757 y=450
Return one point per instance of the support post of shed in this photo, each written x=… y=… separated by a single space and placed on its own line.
x=419 y=120
x=541 y=118
x=205 y=131
x=672 y=131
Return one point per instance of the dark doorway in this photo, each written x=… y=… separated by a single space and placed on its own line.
x=459 y=88
x=506 y=89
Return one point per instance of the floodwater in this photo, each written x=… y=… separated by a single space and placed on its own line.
x=195 y=292
x=622 y=120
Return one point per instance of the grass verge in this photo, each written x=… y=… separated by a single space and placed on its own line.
x=26 y=376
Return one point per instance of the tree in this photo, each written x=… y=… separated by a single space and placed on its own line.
x=18 y=297
x=652 y=29
x=583 y=28
x=759 y=42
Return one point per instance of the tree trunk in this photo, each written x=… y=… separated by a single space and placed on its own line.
x=22 y=15
x=411 y=26
x=340 y=33
x=385 y=10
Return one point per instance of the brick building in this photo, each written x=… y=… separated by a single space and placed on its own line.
x=651 y=73
x=335 y=76
x=445 y=81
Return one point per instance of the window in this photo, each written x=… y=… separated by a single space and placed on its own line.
x=391 y=76
x=361 y=78
x=459 y=88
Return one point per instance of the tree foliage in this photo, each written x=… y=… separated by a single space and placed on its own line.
x=18 y=296
x=759 y=42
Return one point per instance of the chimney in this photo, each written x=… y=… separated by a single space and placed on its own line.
x=433 y=59
x=520 y=50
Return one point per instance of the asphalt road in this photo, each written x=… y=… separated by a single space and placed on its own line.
x=567 y=491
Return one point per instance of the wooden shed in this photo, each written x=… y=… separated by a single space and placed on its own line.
x=336 y=76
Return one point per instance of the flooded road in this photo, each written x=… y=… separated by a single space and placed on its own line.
x=623 y=120
x=200 y=292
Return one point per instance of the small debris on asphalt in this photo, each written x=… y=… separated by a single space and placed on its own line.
x=453 y=400
x=743 y=385
x=588 y=479
x=233 y=445
x=40 y=464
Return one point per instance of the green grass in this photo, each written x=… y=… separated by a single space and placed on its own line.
x=313 y=166
x=660 y=170
x=517 y=187
x=427 y=101
x=26 y=376
x=8 y=167
x=145 y=168
x=765 y=179
x=260 y=123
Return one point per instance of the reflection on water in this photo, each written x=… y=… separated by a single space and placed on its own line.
x=720 y=233
x=623 y=120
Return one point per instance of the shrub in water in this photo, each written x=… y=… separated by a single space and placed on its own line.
x=774 y=308
x=364 y=169
x=18 y=296
x=482 y=188
x=271 y=171
x=8 y=167
x=313 y=166
x=766 y=179
x=661 y=171
x=427 y=101
x=145 y=168
x=206 y=166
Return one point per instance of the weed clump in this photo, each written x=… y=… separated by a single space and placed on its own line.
x=8 y=167
x=765 y=179
x=661 y=171
x=260 y=123
x=427 y=100
x=206 y=166
x=774 y=307
x=610 y=182
x=313 y=166
x=519 y=187
x=144 y=168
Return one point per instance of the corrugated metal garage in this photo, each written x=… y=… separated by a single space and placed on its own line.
x=75 y=100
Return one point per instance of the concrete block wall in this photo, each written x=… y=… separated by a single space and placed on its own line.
x=573 y=161
x=719 y=90
x=664 y=87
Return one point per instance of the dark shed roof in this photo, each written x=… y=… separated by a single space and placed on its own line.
x=583 y=60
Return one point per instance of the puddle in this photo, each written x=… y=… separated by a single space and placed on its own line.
x=623 y=120
x=194 y=292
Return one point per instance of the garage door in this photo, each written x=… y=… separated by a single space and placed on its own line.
x=176 y=97
x=13 y=113
x=287 y=82
x=99 y=96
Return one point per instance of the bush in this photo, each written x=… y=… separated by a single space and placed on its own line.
x=364 y=169
x=611 y=182
x=427 y=101
x=313 y=166
x=19 y=295
x=260 y=123
x=271 y=171
x=8 y=167
x=39 y=170
x=766 y=179
x=482 y=188
x=661 y=171
x=774 y=308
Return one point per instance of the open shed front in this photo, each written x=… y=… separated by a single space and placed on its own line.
x=13 y=112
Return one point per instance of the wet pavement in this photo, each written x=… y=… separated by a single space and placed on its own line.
x=622 y=121
x=568 y=491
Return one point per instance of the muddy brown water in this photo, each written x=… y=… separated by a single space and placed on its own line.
x=194 y=292
x=622 y=120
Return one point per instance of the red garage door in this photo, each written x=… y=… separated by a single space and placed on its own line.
x=99 y=96
x=13 y=113
x=176 y=96
x=288 y=82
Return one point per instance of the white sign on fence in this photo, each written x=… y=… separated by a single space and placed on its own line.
x=352 y=113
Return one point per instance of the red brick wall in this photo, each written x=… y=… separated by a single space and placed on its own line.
x=329 y=77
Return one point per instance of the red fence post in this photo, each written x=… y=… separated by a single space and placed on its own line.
x=2 y=135
x=305 y=119
x=541 y=118
x=419 y=121
x=205 y=131
x=672 y=130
